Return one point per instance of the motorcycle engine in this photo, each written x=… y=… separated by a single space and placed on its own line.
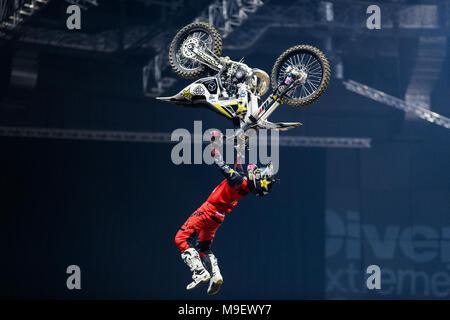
x=233 y=75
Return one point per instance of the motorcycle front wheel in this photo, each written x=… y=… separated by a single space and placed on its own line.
x=198 y=32
x=312 y=61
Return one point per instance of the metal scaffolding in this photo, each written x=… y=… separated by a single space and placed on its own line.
x=398 y=19
x=165 y=137
x=14 y=13
x=416 y=108
x=107 y=41
x=226 y=15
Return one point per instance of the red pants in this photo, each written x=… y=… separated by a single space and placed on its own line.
x=199 y=229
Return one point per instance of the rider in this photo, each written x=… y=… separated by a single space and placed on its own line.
x=195 y=237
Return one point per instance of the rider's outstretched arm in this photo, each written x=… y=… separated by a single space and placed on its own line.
x=234 y=178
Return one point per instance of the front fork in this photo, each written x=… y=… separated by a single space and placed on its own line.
x=264 y=111
x=268 y=106
x=207 y=57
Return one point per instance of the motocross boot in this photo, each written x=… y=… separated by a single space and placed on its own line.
x=210 y=262
x=199 y=273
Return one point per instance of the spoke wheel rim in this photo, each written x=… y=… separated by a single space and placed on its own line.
x=191 y=64
x=312 y=66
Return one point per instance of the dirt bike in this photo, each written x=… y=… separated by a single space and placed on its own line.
x=299 y=76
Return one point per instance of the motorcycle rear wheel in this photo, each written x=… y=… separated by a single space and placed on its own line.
x=189 y=68
x=317 y=67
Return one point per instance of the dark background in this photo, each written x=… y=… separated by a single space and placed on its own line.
x=113 y=208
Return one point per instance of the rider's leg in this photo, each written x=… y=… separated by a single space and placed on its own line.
x=199 y=274
x=209 y=260
x=185 y=241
